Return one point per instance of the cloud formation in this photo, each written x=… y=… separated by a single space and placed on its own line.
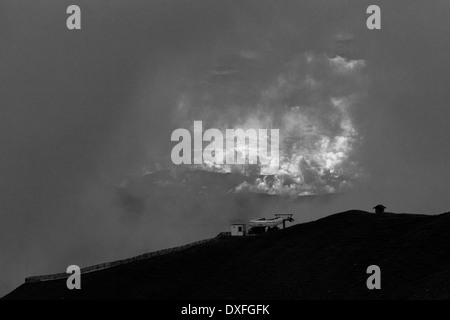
x=310 y=100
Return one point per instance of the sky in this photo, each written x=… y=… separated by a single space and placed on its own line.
x=363 y=113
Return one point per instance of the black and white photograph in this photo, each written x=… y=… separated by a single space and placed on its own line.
x=222 y=155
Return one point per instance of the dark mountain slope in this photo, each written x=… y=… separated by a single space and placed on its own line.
x=324 y=259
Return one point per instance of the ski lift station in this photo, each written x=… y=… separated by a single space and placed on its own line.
x=261 y=225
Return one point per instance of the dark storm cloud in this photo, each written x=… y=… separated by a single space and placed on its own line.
x=81 y=110
x=404 y=119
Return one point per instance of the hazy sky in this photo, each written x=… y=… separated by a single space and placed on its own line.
x=80 y=110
